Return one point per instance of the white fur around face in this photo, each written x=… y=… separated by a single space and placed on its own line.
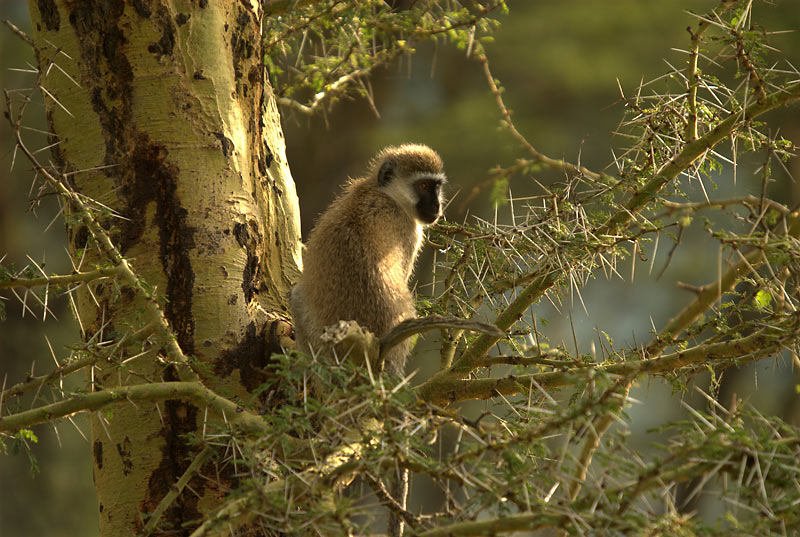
x=402 y=192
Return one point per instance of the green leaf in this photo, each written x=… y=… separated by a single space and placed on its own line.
x=28 y=434
x=763 y=299
x=499 y=193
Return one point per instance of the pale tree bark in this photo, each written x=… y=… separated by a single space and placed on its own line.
x=161 y=111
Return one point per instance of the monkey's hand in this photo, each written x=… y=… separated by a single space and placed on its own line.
x=359 y=345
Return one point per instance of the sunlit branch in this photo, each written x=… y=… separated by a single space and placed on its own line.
x=60 y=279
x=549 y=358
x=330 y=90
x=691 y=152
x=512 y=313
x=493 y=526
x=693 y=76
x=538 y=157
x=600 y=426
x=748 y=200
x=189 y=391
x=707 y=295
x=448 y=388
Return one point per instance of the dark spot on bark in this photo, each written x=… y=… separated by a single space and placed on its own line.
x=56 y=150
x=207 y=343
x=203 y=4
x=50 y=16
x=151 y=178
x=233 y=299
x=101 y=508
x=254 y=75
x=265 y=161
x=198 y=75
x=143 y=8
x=99 y=20
x=277 y=239
x=227 y=144
x=242 y=48
x=249 y=238
x=180 y=422
x=249 y=356
x=182 y=18
x=38 y=27
x=240 y=232
x=97 y=449
x=250 y=277
x=81 y=238
x=128 y=294
x=166 y=44
x=124 y=450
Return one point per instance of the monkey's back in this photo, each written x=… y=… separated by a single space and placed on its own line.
x=359 y=258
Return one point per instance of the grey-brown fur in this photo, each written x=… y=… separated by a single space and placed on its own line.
x=361 y=254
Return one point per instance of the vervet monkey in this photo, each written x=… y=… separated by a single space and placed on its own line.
x=361 y=253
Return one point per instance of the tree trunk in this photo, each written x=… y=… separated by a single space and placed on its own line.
x=162 y=112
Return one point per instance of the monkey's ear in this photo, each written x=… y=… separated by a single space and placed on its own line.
x=386 y=173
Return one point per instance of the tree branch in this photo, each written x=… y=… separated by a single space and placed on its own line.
x=693 y=77
x=481 y=528
x=22 y=35
x=190 y=391
x=538 y=157
x=60 y=279
x=691 y=152
x=175 y=490
x=73 y=366
x=726 y=202
x=446 y=388
x=478 y=349
x=410 y=327
x=708 y=294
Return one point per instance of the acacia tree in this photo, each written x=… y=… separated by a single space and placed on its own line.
x=182 y=223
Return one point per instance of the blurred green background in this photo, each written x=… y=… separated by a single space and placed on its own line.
x=559 y=61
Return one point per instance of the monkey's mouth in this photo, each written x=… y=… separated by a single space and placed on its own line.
x=429 y=217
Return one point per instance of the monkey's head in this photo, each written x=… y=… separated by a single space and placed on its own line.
x=412 y=175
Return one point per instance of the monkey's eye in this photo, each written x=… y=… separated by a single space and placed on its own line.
x=423 y=186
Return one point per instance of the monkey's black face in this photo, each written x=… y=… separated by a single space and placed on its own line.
x=429 y=199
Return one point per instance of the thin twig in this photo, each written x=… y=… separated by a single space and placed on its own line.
x=175 y=490
x=22 y=35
